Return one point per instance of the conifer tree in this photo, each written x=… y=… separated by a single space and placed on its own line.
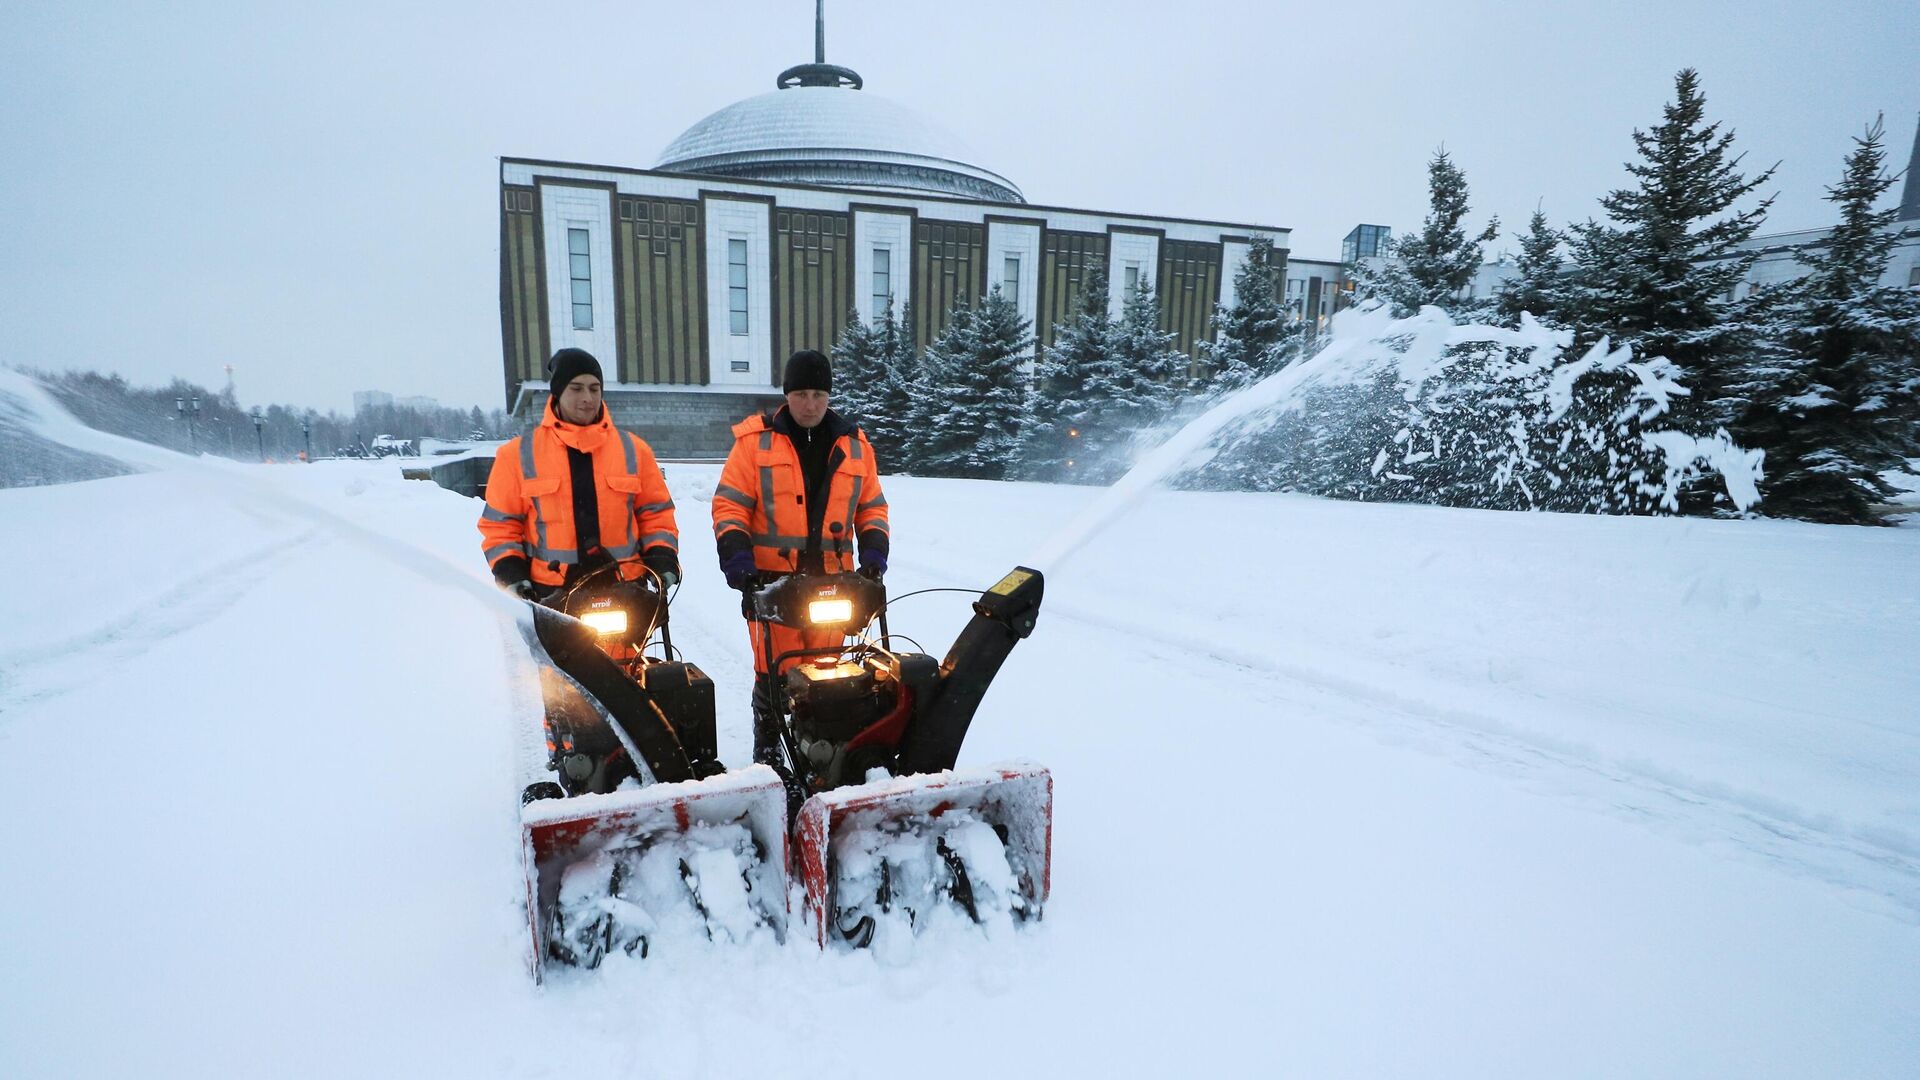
x=1147 y=374
x=860 y=360
x=1657 y=279
x=1830 y=396
x=1537 y=288
x=1257 y=335
x=1435 y=265
x=891 y=399
x=973 y=392
x=1060 y=407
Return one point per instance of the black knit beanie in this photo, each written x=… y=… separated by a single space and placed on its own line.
x=568 y=365
x=808 y=369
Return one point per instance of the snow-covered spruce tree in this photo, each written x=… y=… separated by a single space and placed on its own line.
x=974 y=394
x=894 y=394
x=1537 y=289
x=1434 y=266
x=1257 y=335
x=860 y=360
x=1061 y=406
x=1125 y=387
x=1830 y=394
x=1656 y=279
x=1148 y=374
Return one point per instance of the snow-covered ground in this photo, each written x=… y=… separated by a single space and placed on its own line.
x=1341 y=790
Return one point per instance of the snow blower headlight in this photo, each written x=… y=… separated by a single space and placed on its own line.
x=606 y=622
x=822 y=612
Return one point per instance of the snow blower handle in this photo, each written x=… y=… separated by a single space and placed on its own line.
x=659 y=584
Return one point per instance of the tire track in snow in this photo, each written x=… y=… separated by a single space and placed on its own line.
x=26 y=403
x=50 y=669
x=1827 y=851
x=1879 y=862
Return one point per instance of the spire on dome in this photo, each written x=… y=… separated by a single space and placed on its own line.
x=819 y=73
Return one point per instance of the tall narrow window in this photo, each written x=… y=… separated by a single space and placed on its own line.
x=737 y=286
x=1133 y=276
x=882 y=280
x=1010 y=280
x=580 y=270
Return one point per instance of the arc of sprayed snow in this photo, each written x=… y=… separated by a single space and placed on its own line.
x=1426 y=339
x=1190 y=447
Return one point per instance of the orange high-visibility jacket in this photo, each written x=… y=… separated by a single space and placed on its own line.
x=762 y=495
x=529 y=508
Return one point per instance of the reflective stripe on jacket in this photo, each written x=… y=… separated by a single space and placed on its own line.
x=529 y=509
x=762 y=494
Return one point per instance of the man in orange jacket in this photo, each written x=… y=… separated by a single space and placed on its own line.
x=576 y=493
x=800 y=492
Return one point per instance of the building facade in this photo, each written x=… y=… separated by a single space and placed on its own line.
x=766 y=226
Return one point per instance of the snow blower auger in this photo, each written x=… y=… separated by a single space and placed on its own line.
x=641 y=834
x=892 y=838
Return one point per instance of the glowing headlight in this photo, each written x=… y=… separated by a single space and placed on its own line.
x=829 y=611
x=606 y=622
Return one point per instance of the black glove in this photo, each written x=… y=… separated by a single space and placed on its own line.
x=740 y=571
x=873 y=564
x=663 y=562
x=523 y=589
x=511 y=569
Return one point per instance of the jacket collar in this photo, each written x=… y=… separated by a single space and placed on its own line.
x=582 y=437
x=833 y=425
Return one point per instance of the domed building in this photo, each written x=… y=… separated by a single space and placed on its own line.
x=833 y=136
x=766 y=225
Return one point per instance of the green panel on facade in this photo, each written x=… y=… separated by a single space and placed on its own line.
x=1188 y=289
x=1064 y=257
x=660 y=290
x=523 y=323
x=812 y=270
x=949 y=268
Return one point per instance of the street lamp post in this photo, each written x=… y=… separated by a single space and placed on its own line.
x=258 y=433
x=306 y=432
x=180 y=406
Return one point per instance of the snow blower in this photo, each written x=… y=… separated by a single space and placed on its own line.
x=640 y=834
x=892 y=837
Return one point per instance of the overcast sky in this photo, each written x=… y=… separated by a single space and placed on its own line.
x=309 y=192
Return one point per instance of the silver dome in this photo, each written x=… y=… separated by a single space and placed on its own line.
x=836 y=136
